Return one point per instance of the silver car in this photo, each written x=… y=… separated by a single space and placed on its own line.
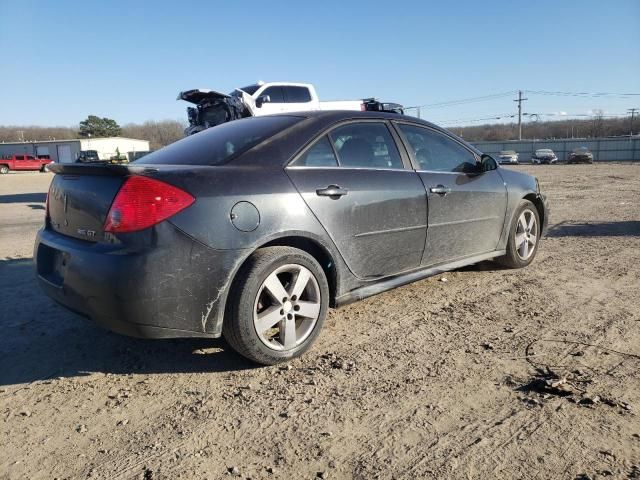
x=508 y=157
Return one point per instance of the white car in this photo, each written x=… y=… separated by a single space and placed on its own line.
x=508 y=157
x=213 y=108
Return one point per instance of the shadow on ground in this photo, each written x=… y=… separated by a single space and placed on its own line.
x=40 y=197
x=630 y=228
x=41 y=339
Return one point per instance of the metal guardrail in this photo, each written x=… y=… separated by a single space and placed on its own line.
x=603 y=149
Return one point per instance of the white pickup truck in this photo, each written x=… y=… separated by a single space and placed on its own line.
x=213 y=108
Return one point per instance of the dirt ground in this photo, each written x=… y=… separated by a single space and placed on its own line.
x=490 y=374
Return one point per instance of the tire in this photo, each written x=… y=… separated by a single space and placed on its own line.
x=517 y=256
x=4 y=169
x=276 y=269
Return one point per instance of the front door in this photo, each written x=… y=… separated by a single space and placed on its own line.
x=466 y=205
x=276 y=103
x=373 y=208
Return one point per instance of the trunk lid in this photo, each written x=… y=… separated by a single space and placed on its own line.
x=80 y=197
x=198 y=95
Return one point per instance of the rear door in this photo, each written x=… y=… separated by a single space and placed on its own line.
x=369 y=200
x=298 y=98
x=466 y=206
x=32 y=162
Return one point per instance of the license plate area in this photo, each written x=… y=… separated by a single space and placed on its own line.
x=52 y=264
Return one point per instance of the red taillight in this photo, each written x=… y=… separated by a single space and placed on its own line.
x=363 y=107
x=143 y=202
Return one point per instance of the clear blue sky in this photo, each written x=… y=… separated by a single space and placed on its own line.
x=127 y=60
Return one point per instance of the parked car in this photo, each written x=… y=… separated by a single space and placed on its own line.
x=580 y=155
x=22 y=163
x=88 y=156
x=544 y=156
x=254 y=228
x=259 y=99
x=508 y=157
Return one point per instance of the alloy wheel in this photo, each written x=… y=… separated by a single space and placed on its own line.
x=526 y=234
x=287 y=307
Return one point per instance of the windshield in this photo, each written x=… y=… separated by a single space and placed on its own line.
x=581 y=150
x=219 y=144
x=507 y=152
x=250 y=89
x=544 y=151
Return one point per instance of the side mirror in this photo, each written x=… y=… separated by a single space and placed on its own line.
x=262 y=99
x=487 y=163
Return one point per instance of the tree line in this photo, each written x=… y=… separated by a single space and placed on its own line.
x=597 y=126
x=163 y=132
x=158 y=133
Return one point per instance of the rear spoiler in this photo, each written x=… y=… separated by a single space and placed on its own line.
x=99 y=168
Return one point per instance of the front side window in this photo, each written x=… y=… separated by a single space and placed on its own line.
x=275 y=94
x=434 y=151
x=297 y=94
x=319 y=155
x=366 y=145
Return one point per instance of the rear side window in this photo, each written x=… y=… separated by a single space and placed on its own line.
x=219 y=144
x=297 y=94
x=275 y=94
x=366 y=145
x=319 y=155
x=19 y=157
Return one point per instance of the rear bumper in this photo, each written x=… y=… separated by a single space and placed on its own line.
x=171 y=286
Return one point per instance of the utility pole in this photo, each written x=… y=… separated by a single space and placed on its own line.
x=633 y=112
x=520 y=100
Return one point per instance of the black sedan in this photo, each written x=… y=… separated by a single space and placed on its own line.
x=254 y=228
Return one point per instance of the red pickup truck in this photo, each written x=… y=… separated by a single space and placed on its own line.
x=22 y=162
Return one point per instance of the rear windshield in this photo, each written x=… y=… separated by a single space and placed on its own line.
x=219 y=144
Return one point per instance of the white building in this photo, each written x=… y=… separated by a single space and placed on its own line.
x=67 y=151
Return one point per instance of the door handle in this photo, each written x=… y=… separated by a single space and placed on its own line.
x=334 y=191
x=440 y=190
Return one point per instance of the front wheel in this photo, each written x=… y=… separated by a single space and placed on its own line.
x=278 y=305
x=524 y=236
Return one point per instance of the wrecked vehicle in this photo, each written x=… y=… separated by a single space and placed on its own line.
x=213 y=108
x=254 y=228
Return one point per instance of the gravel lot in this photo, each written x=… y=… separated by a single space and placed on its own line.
x=431 y=380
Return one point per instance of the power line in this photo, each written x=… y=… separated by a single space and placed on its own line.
x=583 y=94
x=462 y=101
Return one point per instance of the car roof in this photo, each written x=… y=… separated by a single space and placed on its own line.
x=315 y=122
x=328 y=117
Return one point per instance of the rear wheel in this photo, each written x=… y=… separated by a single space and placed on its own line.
x=278 y=306
x=4 y=169
x=524 y=236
